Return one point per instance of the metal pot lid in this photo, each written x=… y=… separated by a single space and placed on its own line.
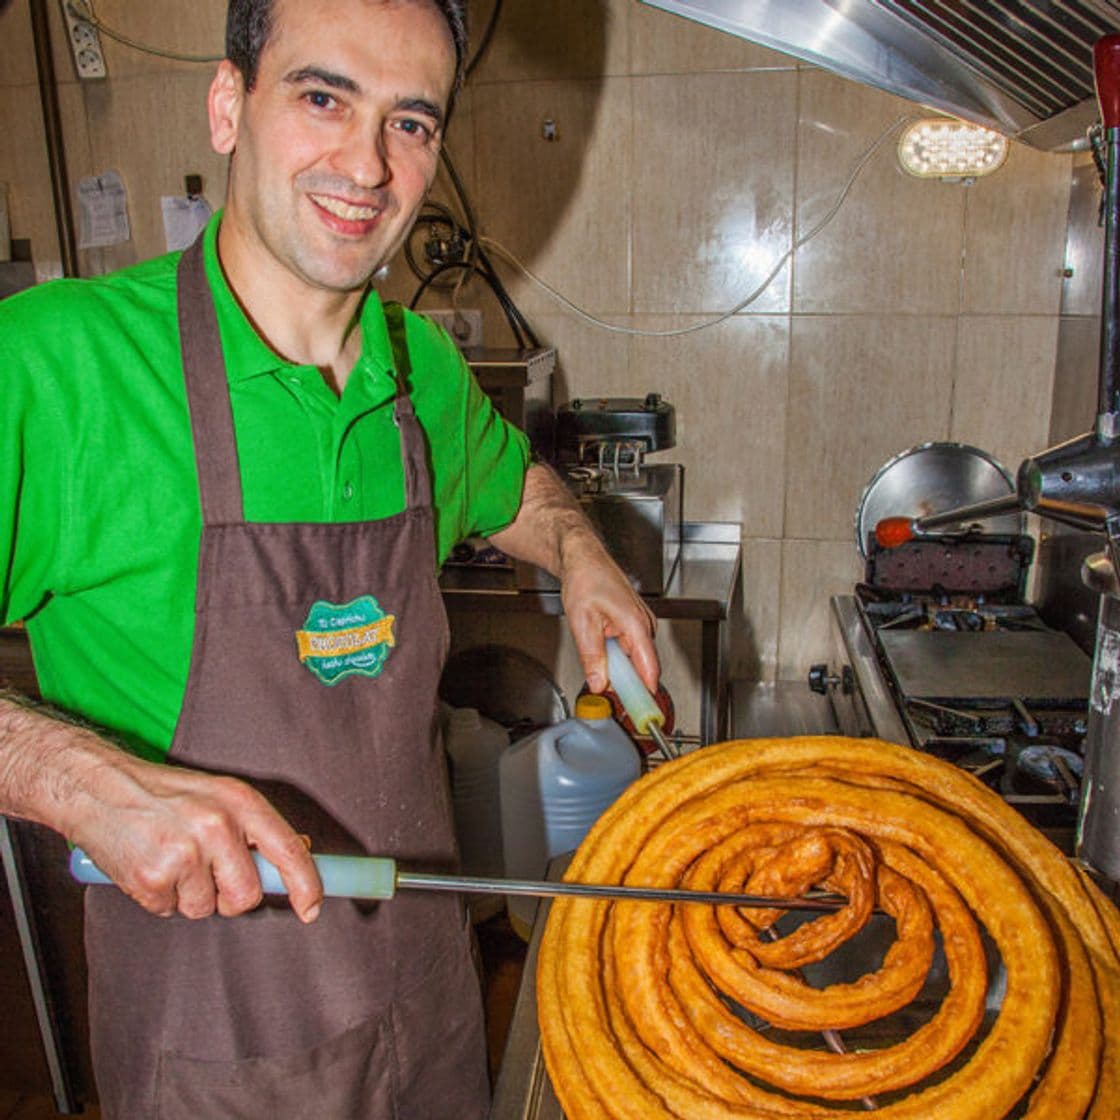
x=930 y=478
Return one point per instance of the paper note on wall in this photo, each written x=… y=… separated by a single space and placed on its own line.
x=103 y=211
x=184 y=218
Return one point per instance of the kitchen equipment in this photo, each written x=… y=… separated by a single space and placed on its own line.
x=637 y=507
x=930 y=479
x=974 y=683
x=1098 y=838
x=1021 y=67
x=894 y=531
x=943 y=484
x=938 y=648
x=1078 y=482
x=554 y=785
x=379 y=878
x=519 y=382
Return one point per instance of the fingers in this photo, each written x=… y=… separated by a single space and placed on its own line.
x=643 y=655
x=183 y=846
x=280 y=845
x=591 y=648
x=634 y=629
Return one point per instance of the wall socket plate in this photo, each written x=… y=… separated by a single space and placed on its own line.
x=464 y=325
x=85 y=43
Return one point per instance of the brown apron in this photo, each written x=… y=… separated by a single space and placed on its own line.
x=316 y=660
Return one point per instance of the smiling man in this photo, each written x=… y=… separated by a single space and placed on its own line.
x=227 y=480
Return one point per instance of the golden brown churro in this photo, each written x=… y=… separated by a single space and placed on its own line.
x=637 y=1001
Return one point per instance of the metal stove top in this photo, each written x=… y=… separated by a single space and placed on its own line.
x=1031 y=666
x=988 y=687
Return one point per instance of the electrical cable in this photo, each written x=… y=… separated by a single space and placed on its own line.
x=513 y=316
x=484 y=41
x=501 y=251
x=83 y=9
x=500 y=290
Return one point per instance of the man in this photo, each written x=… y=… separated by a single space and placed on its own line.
x=246 y=430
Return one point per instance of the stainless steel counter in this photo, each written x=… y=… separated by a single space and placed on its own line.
x=701 y=590
x=524 y=1091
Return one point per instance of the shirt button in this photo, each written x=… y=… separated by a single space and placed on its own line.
x=347 y=491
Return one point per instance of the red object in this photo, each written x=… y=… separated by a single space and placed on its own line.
x=661 y=698
x=1106 y=69
x=894 y=531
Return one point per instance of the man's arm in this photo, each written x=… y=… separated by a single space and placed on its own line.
x=551 y=531
x=171 y=838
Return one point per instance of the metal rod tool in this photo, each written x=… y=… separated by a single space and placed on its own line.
x=377 y=877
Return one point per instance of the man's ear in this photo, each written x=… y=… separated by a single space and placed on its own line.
x=227 y=94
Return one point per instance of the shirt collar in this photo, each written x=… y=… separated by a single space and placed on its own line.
x=247 y=355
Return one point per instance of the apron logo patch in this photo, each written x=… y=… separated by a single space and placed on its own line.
x=341 y=641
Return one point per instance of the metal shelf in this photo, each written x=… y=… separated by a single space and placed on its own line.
x=701 y=590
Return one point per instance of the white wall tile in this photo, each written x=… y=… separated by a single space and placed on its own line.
x=1003 y=384
x=713 y=179
x=894 y=245
x=560 y=207
x=729 y=386
x=1015 y=235
x=862 y=389
x=812 y=571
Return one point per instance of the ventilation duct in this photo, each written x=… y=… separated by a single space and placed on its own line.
x=1021 y=67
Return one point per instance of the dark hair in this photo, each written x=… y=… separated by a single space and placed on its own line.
x=249 y=24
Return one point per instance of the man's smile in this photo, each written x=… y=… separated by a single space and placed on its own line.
x=347 y=211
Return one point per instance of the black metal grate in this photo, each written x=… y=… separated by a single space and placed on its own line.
x=1040 y=53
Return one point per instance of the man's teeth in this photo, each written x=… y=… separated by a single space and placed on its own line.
x=344 y=210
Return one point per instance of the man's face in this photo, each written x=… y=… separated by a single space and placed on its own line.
x=337 y=143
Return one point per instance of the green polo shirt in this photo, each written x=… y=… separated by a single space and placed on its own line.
x=99 y=507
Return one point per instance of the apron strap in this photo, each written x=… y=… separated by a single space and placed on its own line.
x=414 y=447
x=204 y=370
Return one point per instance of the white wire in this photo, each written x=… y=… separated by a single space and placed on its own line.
x=83 y=9
x=501 y=251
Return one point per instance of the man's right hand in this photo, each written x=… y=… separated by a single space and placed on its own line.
x=175 y=840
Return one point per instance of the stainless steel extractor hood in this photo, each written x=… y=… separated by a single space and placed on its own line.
x=1022 y=67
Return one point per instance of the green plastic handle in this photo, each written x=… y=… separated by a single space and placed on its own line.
x=343 y=876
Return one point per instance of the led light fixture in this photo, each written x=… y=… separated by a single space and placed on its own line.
x=943 y=148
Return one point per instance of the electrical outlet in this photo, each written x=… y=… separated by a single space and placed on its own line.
x=464 y=326
x=84 y=42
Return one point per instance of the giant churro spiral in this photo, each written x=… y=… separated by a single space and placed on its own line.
x=641 y=1004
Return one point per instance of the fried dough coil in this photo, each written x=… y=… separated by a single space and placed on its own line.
x=636 y=999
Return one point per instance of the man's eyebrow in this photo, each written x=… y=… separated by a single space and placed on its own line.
x=422 y=105
x=316 y=75
x=306 y=74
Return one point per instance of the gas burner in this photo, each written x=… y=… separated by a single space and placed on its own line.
x=1049 y=769
x=967 y=718
x=949 y=613
x=978 y=683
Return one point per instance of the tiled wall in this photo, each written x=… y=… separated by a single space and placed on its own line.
x=686 y=164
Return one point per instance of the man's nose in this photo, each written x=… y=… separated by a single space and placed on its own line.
x=363 y=157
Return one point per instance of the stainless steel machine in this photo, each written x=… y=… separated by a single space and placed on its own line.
x=602 y=445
